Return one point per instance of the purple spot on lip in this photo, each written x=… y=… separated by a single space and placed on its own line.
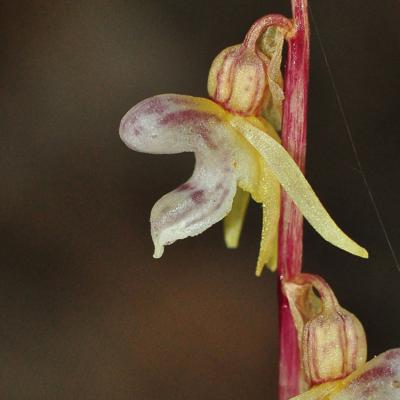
x=159 y=104
x=392 y=355
x=194 y=118
x=184 y=187
x=215 y=207
x=133 y=127
x=180 y=100
x=184 y=116
x=374 y=373
x=197 y=196
x=129 y=126
x=154 y=105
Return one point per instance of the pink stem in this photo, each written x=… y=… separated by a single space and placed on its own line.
x=291 y=221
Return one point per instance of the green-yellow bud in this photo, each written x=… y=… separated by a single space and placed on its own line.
x=332 y=340
x=237 y=80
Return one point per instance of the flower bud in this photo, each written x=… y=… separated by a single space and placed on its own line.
x=332 y=340
x=333 y=346
x=237 y=80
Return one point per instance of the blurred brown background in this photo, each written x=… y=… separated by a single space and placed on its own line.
x=85 y=312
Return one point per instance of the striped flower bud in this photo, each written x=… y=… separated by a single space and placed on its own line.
x=332 y=340
x=237 y=80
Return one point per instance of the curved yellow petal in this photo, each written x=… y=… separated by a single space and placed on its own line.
x=267 y=192
x=269 y=235
x=233 y=222
x=297 y=187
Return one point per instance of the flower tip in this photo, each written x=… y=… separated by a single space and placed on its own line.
x=364 y=253
x=158 y=250
x=272 y=265
x=260 y=267
x=231 y=242
x=357 y=250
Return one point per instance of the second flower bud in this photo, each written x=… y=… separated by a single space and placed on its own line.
x=331 y=339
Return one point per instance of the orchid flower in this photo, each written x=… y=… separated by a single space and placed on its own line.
x=237 y=149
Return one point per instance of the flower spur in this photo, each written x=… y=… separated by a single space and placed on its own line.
x=237 y=151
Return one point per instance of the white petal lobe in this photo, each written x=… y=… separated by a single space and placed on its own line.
x=170 y=124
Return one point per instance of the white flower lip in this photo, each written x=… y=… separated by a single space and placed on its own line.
x=173 y=124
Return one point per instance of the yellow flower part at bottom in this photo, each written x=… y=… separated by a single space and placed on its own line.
x=266 y=190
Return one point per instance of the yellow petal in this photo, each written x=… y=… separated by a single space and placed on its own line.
x=269 y=235
x=233 y=222
x=296 y=186
x=267 y=192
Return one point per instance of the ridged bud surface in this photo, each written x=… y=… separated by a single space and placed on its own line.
x=333 y=346
x=237 y=80
x=331 y=339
